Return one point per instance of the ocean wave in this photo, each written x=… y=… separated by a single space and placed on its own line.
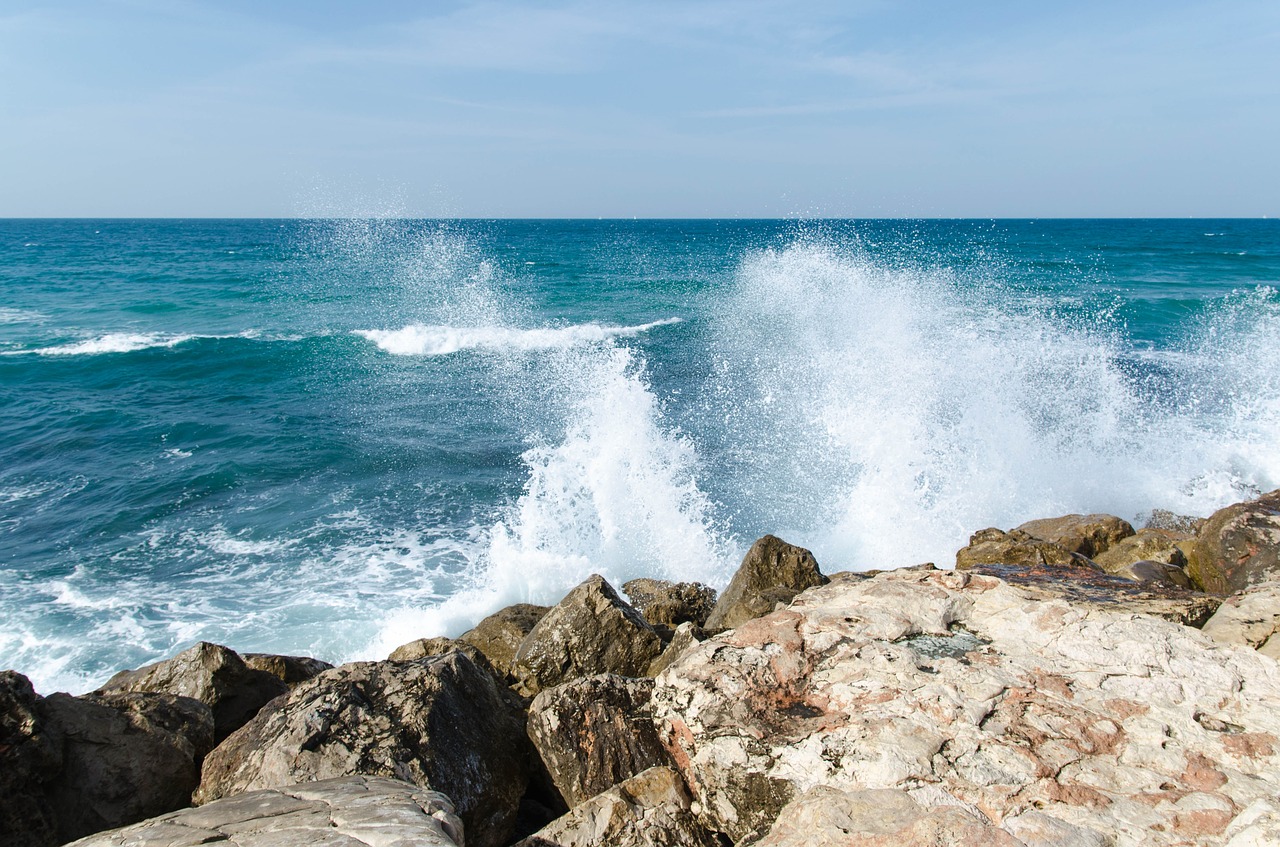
x=130 y=342
x=422 y=340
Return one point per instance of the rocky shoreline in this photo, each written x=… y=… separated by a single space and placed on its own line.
x=1073 y=681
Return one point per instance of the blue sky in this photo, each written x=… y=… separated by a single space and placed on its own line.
x=653 y=109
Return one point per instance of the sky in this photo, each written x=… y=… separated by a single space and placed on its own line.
x=698 y=108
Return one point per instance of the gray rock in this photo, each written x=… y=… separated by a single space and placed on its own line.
x=441 y=723
x=288 y=669
x=212 y=674
x=996 y=547
x=1088 y=535
x=1161 y=573
x=670 y=603
x=773 y=572
x=829 y=817
x=1238 y=546
x=70 y=766
x=1171 y=522
x=590 y=631
x=358 y=811
x=595 y=732
x=499 y=636
x=682 y=640
x=652 y=809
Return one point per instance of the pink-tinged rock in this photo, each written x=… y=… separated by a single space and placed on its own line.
x=1238 y=546
x=1034 y=713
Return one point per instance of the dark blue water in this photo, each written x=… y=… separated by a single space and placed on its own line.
x=330 y=437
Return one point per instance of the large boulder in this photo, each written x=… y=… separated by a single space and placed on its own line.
x=962 y=689
x=595 y=732
x=772 y=573
x=1149 y=545
x=883 y=817
x=1088 y=535
x=652 y=809
x=1250 y=618
x=290 y=670
x=354 y=811
x=670 y=604
x=441 y=723
x=993 y=546
x=500 y=635
x=212 y=674
x=1238 y=546
x=424 y=648
x=70 y=766
x=592 y=630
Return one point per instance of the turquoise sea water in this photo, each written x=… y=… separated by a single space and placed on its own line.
x=331 y=437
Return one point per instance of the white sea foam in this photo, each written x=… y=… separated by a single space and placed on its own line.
x=130 y=342
x=421 y=340
x=880 y=415
x=18 y=316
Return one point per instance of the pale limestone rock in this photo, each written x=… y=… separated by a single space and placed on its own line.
x=651 y=809
x=992 y=697
x=361 y=811
x=1250 y=617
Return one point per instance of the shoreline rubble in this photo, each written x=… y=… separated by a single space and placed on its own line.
x=1073 y=681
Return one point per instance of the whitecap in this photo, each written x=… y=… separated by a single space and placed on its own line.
x=423 y=340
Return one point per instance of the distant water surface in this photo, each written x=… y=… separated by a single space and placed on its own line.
x=331 y=437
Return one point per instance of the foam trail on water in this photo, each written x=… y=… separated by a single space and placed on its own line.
x=421 y=340
x=881 y=414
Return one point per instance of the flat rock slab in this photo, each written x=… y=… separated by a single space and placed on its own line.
x=1048 y=716
x=359 y=811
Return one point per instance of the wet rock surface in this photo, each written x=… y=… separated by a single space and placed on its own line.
x=593 y=733
x=591 y=631
x=1067 y=716
x=346 y=812
x=772 y=573
x=441 y=723
x=214 y=675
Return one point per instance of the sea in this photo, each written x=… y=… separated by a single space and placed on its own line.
x=330 y=437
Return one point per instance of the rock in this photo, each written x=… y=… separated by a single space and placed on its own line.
x=590 y=631
x=828 y=817
x=1238 y=546
x=671 y=603
x=1161 y=573
x=595 y=732
x=423 y=648
x=1170 y=522
x=1088 y=535
x=1087 y=586
x=684 y=638
x=70 y=766
x=996 y=547
x=1153 y=545
x=214 y=675
x=966 y=690
x=288 y=669
x=1249 y=618
x=773 y=572
x=357 y=811
x=441 y=723
x=649 y=810
x=499 y=636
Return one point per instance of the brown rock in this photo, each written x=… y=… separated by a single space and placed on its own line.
x=996 y=547
x=1088 y=535
x=590 y=631
x=212 y=674
x=829 y=817
x=441 y=723
x=1238 y=546
x=1152 y=545
x=424 y=648
x=499 y=636
x=595 y=732
x=682 y=640
x=288 y=669
x=671 y=603
x=1161 y=573
x=71 y=766
x=773 y=572
x=652 y=809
